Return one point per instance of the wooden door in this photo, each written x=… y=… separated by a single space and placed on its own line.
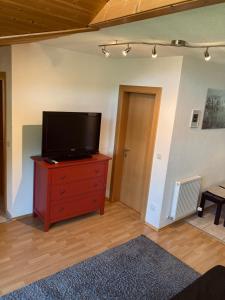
x=1 y=148
x=137 y=139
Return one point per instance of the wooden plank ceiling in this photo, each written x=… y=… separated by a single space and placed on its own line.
x=117 y=12
x=32 y=20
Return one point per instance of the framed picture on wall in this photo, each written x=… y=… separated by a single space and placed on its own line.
x=195 y=118
x=214 y=115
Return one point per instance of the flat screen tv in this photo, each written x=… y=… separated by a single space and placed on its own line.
x=70 y=135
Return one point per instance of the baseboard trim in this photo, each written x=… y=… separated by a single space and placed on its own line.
x=152 y=227
x=22 y=217
x=8 y=215
x=166 y=226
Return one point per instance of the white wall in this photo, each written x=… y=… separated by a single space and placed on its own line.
x=165 y=73
x=46 y=78
x=5 y=66
x=195 y=151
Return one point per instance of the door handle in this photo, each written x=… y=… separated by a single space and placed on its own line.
x=125 y=151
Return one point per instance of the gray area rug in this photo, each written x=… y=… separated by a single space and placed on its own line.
x=139 y=269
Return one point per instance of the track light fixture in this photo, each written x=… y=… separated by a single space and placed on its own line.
x=173 y=43
x=154 y=52
x=105 y=52
x=127 y=50
x=207 y=55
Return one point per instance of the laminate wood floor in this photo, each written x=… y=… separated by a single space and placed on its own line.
x=28 y=254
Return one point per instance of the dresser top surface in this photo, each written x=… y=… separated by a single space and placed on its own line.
x=95 y=158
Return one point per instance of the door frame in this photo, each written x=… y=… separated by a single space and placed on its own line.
x=3 y=79
x=120 y=135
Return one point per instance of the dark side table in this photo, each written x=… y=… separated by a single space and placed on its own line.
x=219 y=201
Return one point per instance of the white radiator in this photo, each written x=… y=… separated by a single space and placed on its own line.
x=185 y=197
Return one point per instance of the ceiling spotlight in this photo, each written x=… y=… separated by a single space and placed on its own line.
x=154 y=52
x=126 y=51
x=105 y=52
x=207 y=55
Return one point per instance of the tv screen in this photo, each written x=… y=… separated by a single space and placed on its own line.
x=70 y=135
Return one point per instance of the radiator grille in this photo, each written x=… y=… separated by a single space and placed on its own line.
x=185 y=197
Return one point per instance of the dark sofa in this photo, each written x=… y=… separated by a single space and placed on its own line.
x=210 y=286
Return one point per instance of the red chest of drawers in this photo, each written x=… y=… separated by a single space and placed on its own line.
x=69 y=189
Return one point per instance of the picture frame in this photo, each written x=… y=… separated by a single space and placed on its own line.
x=214 y=114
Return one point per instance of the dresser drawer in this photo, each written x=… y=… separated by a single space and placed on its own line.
x=67 y=174
x=76 y=206
x=60 y=192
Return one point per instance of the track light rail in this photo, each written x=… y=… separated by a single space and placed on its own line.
x=173 y=43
